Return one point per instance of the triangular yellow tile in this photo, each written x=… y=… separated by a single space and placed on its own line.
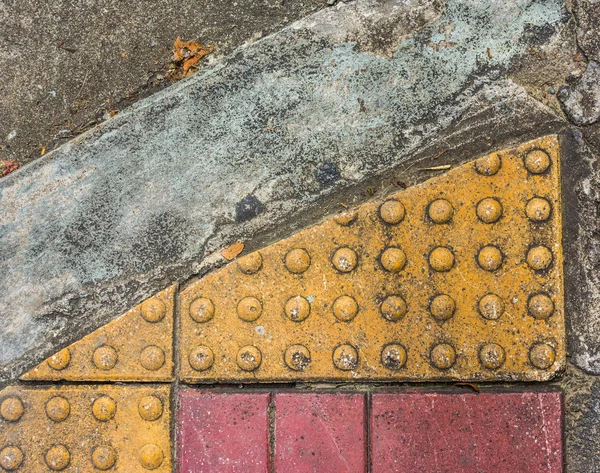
x=459 y=278
x=138 y=346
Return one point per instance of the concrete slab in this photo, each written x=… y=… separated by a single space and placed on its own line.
x=70 y=65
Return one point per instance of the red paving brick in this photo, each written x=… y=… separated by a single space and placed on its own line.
x=324 y=433
x=467 y=433
x=223 y=433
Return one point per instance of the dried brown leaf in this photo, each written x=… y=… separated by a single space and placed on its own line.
x=186 y=56
x=471 y=385
x=232 y=251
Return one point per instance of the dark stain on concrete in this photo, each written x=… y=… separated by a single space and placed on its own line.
x=248 y=208
x=327 y=174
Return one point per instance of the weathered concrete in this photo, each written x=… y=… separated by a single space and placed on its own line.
x=68 y=64
x=587 y=14
x=581 y=99
x=581 y=194
x=582 y=421
x=244 y=146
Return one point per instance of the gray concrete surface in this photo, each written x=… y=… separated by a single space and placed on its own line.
x=67 y=63
x=582 y=421
x=587 y=14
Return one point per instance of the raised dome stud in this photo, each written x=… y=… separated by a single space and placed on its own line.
x=539 y=258
x=345 y=308
x=393 y=308
x=490 y=258
x=104 y=408
x=297 y=260
x=345 y=357
x=11 y=458
x=105 y=357
x=440 y=211
x=202 y=310
x=542 y=356
x=152 y=358
x=104 y=457
x=150 y=408
x=489 y=210
x=393 y=259
x=537 y=161
x=58 y=458
x=249 y=358
x=443 y=356
x=297 y=357
x=492 y=356
x=151 y=456
x=58 y=409
x=59 y=361
x=249 y=309
x=153 y=310
x=491 y=307
x=392 y=212
x=346 y=218
x=538 y=209
x=441 y=259
x=488 y=165
x=540 y=306
x=250 y=264
x=201 y=358
x=297 y=308
x=344 y=259
x=393 y=356
x=442 y=307
x=11 y=409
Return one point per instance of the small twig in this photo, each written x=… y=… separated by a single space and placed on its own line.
x=437 y=168
x=440 y=153
x=70 y=50
x=471 y=385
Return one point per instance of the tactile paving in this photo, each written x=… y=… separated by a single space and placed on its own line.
x=459 y=278
x=138 y=346
x=85 y=429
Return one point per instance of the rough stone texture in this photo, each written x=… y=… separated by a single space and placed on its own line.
x=587 y=14
x=68 y=63
x=581 y=194
x=244 y=145
x=581 y=99
x=470 y=433
x=582 y=421
x=228 y=433
x=320 y=432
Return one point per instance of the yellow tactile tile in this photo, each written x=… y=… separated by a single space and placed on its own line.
x=459 y=278
x=138 y=346
x=81 y=429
